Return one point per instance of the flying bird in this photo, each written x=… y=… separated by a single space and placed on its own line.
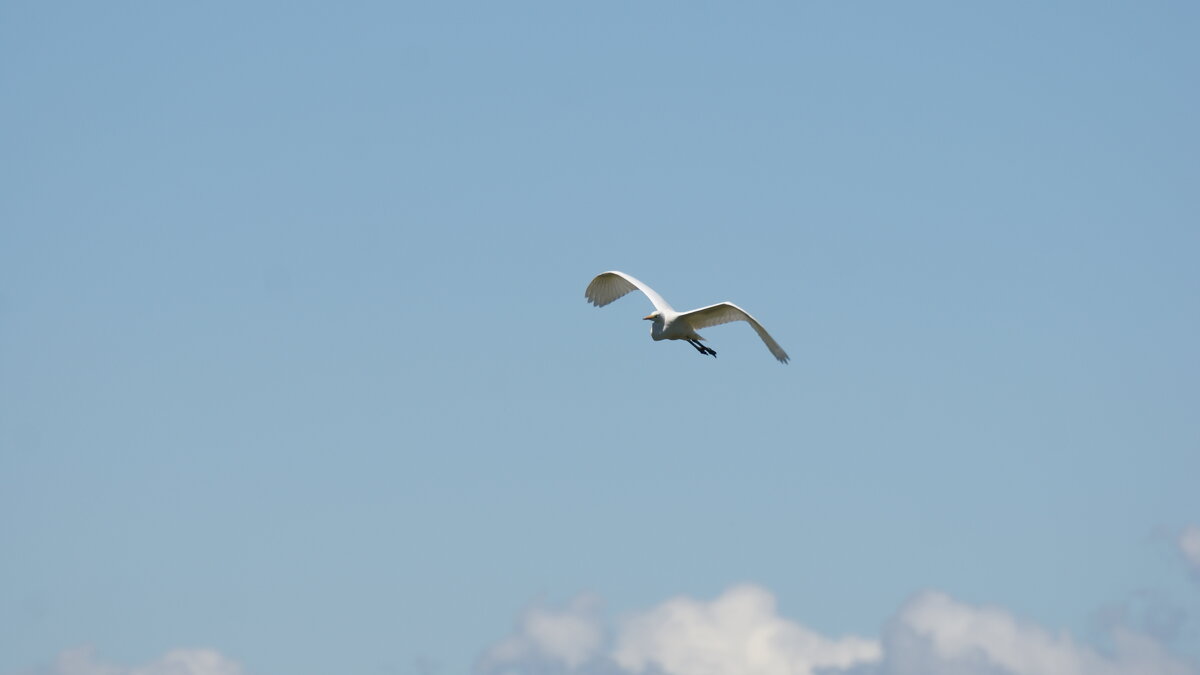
x=671 y=325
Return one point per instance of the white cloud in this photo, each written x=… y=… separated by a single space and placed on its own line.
x=190 y=662
x=82 y=661
x=1189 y=545
x=738 y=633
x=565 y=638
x=934 y=634
x=741 y=633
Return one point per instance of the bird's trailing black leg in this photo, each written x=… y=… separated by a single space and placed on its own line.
x=702 y=348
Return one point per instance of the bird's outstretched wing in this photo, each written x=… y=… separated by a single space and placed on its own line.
x=610 y=286
x=725 y=312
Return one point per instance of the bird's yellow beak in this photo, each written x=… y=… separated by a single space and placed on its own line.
x=648 y=317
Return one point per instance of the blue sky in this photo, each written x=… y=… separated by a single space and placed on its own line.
x=296 y=369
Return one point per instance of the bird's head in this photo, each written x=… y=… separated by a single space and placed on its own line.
x=652 y=316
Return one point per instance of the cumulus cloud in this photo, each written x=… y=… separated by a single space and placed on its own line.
x=83 y=661
x=933 y=634
x=549 y=640
x=1189 y=545
x=738 y=633
x=741 y=633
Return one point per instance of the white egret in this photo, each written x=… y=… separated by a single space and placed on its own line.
x=671 y=325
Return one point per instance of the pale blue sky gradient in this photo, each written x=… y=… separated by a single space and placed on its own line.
x=295 y=361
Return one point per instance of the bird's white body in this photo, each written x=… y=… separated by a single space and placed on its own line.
x=672 y=326
x=669 y=324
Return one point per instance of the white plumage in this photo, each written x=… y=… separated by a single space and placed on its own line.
x=671 y=325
